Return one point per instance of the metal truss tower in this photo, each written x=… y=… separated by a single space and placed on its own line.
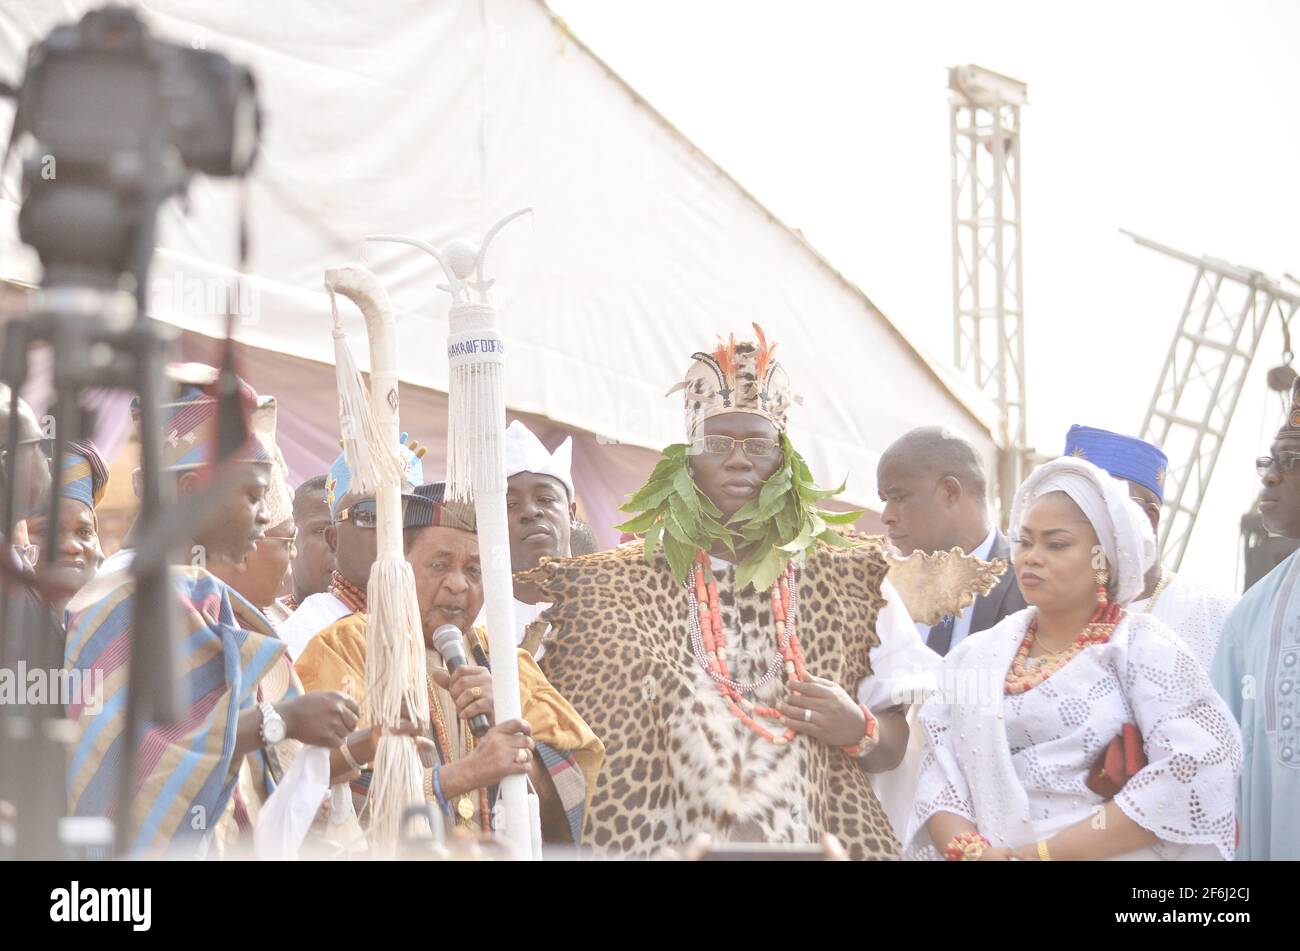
x=1211 y=353
x=988 y=315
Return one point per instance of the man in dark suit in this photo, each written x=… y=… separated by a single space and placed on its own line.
x=935 y=497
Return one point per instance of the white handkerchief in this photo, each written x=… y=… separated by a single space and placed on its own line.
x=287 y=816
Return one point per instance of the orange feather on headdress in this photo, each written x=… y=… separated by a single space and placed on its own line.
x=764 y=358
x=725 y=354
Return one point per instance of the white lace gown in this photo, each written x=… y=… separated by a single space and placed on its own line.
x=1016 y=765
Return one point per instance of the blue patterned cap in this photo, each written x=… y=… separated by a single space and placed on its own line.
x=190 y=422
x=339 y=480
x=83 y=475
x=1122 y=456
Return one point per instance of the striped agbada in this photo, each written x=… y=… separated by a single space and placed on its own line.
x=261 y=770
x=185 y=771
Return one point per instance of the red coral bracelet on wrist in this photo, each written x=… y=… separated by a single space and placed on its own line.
x=966 y=847
x=869 y=739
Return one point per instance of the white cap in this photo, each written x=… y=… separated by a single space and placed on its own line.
x=279 y=497
x=525 y=453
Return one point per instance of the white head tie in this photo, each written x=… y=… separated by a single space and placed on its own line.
x=525 y=453
x=1122 y=527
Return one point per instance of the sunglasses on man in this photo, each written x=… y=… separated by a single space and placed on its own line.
x=362 y=514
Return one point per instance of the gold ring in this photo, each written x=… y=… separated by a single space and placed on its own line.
x=523 y=756
x=476 y=692
x=807 y=715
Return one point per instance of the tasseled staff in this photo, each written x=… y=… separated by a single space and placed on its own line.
x=476 y=423
x=395 y=669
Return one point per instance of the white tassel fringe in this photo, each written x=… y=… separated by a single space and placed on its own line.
x=395 y=674
x=364 y=448
x=476 y=422
x=476 y=402
x=397 y=785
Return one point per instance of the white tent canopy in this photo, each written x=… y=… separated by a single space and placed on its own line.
x=437 y=119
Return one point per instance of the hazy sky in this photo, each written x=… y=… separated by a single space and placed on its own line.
x=1180 y=121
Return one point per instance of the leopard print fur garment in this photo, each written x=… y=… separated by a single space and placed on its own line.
x=677 y=761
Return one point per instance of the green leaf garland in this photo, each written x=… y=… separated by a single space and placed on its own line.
x=781 y=523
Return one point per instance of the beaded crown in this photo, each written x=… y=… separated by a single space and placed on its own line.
x=339 y=480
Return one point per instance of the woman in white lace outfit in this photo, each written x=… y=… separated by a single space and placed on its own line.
x=1027 y=708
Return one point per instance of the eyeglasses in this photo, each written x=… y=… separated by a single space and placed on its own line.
x=282 y=538
x=361 y=515
x=756 y=447
x=290 y=540
x=1283 y=460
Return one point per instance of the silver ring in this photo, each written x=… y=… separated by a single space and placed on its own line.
x=807 y=715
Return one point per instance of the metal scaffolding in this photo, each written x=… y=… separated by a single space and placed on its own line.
x=1224 y=317
x=988 y=316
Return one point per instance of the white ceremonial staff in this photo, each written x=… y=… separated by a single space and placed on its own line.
x=395 y=668
x=476 y=468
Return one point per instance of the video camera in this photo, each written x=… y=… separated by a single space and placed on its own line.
x=118 y=121
x=111 y=122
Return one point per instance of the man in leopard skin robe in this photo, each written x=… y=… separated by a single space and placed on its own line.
x=680 y=759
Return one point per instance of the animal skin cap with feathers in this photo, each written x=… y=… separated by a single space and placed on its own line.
x=737 y=377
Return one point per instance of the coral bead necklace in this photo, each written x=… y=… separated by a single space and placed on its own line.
x=351 y=595
x=708 y=640
x=1024 y=674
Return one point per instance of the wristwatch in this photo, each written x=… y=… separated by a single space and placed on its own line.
x=272 y=731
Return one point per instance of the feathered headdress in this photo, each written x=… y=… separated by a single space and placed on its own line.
x=737 y=377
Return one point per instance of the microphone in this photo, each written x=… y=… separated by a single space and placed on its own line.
x=450 y=644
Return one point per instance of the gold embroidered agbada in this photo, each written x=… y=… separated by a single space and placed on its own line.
x=336 y=660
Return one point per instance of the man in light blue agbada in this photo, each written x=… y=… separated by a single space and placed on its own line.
x=1257 y=667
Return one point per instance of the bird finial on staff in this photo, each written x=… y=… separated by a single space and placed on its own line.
x=460 y=261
